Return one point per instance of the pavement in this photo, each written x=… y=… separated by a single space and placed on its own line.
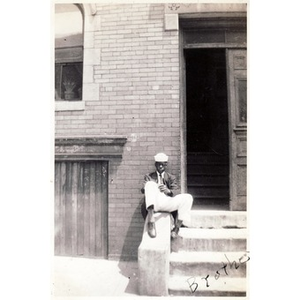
x=75 y=277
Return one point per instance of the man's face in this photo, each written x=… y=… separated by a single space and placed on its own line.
x=161 y=166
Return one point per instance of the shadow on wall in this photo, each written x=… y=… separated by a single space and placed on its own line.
x=133 y=236
x=128 y=263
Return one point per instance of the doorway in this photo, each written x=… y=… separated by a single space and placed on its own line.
x=207 y=141
x=81 y=208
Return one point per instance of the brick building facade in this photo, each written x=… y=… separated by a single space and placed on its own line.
x=131 y=108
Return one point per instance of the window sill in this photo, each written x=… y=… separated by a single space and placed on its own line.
x=69 y=105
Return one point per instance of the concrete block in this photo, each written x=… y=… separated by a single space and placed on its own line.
x=91 y=92
x=69 y=105
x=91 y=57
x=218 y=219
x=88 y=74
x=196 y=239
x=223 y=287
x=171 y=22
x=185 y=263
x=89 y=40
x=153 y=258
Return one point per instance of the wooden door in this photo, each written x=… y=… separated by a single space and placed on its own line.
x=237 y=101
x=81 y=201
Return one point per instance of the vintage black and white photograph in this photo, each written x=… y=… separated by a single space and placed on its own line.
x=150 y=149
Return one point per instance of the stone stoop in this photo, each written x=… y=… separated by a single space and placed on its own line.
x=153 y=258
x=211 y=259
x=218 y=219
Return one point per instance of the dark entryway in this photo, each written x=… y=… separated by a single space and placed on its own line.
x=207 y=128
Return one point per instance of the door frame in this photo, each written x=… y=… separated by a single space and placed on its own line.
x=237 y=73
x=93 y=148
x=186 y=23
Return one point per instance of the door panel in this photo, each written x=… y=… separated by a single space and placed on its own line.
x=237 y=101
x=81 y=208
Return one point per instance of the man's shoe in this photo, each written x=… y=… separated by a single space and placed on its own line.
x=174 y=232
x=151 y=229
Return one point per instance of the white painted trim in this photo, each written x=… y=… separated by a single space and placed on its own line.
x=69 y=105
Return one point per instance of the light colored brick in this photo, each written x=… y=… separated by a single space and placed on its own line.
x=131 y=74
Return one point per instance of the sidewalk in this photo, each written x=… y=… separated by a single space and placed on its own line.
x=87 y=277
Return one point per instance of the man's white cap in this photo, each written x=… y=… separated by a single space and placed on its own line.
x=161 y=157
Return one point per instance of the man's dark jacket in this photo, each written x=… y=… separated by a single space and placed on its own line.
x=171 y=183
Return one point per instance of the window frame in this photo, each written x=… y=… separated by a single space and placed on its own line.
x=62 y=55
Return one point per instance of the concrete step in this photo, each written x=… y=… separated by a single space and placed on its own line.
x=208 y=205
x=198 y=239
x=207 y=172
x=199 y=286
x=211 y=202
x=207 y=179
x=209 y=190
x=214 y=168
x=232 y=264
x=218 y=219
x=208 y=157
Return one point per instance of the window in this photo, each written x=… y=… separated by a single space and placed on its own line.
x=68 y=52
x=68 y=81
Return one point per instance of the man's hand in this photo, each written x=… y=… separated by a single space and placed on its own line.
x=163 y=188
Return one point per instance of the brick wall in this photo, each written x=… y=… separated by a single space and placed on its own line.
x=137 y=79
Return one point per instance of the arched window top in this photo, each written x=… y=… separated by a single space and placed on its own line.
x=68 y=52
x=68 y=26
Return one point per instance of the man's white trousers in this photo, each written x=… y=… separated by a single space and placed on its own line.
x=161 y=202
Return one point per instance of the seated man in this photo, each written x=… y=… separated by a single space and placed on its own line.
x=162 y=194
